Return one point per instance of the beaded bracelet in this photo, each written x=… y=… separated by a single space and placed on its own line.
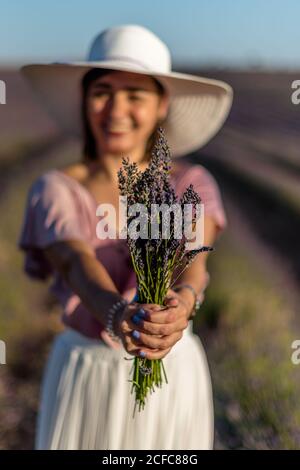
x=112 y=312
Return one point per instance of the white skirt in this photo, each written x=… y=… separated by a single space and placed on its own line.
x=86 y=400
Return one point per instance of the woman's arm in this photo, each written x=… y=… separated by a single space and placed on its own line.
x=196 y=274
x=78 y=265
x=84 y=273
x=76 y=261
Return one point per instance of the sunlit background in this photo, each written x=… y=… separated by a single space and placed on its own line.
x=218 y=33
x=249 y=319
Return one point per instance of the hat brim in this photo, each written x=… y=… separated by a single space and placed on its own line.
x=198 y=105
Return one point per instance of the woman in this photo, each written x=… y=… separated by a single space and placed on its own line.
x=127 y=91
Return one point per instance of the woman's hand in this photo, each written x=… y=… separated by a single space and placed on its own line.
x=153 y=332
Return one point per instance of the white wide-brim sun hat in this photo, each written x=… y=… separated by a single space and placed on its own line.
x=198 y=105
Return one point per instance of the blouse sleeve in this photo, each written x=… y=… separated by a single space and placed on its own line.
x=207 y=187
x=50 y=216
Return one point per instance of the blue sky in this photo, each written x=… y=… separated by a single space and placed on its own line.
x=198 y=32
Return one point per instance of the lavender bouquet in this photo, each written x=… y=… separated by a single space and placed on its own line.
x=157 y=260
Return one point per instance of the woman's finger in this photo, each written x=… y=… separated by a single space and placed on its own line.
x=132 y=347
x=140 y=324
x=150 y=354
x=155 y=342
x=133 y=315
x=167 y=315
x=144 y=352
x=171 y=301
x=161 y=329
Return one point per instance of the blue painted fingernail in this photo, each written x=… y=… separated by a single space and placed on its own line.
x=136 y=319
x=136 y=334
x=141 y=313
x=142 y=354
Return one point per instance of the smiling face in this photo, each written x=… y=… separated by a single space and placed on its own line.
x=123 y=110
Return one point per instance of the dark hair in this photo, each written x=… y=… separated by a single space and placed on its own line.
x=89 y=150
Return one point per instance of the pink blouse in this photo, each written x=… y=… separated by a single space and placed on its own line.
x=60 y=208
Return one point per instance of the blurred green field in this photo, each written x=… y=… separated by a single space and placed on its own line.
x=245 y=324
x=29 y=315
x=249 y=318
x=248 y=328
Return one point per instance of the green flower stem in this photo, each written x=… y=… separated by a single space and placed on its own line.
x=149 y=262
x=143 y=383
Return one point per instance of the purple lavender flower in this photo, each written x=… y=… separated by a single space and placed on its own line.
x=156 y=261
